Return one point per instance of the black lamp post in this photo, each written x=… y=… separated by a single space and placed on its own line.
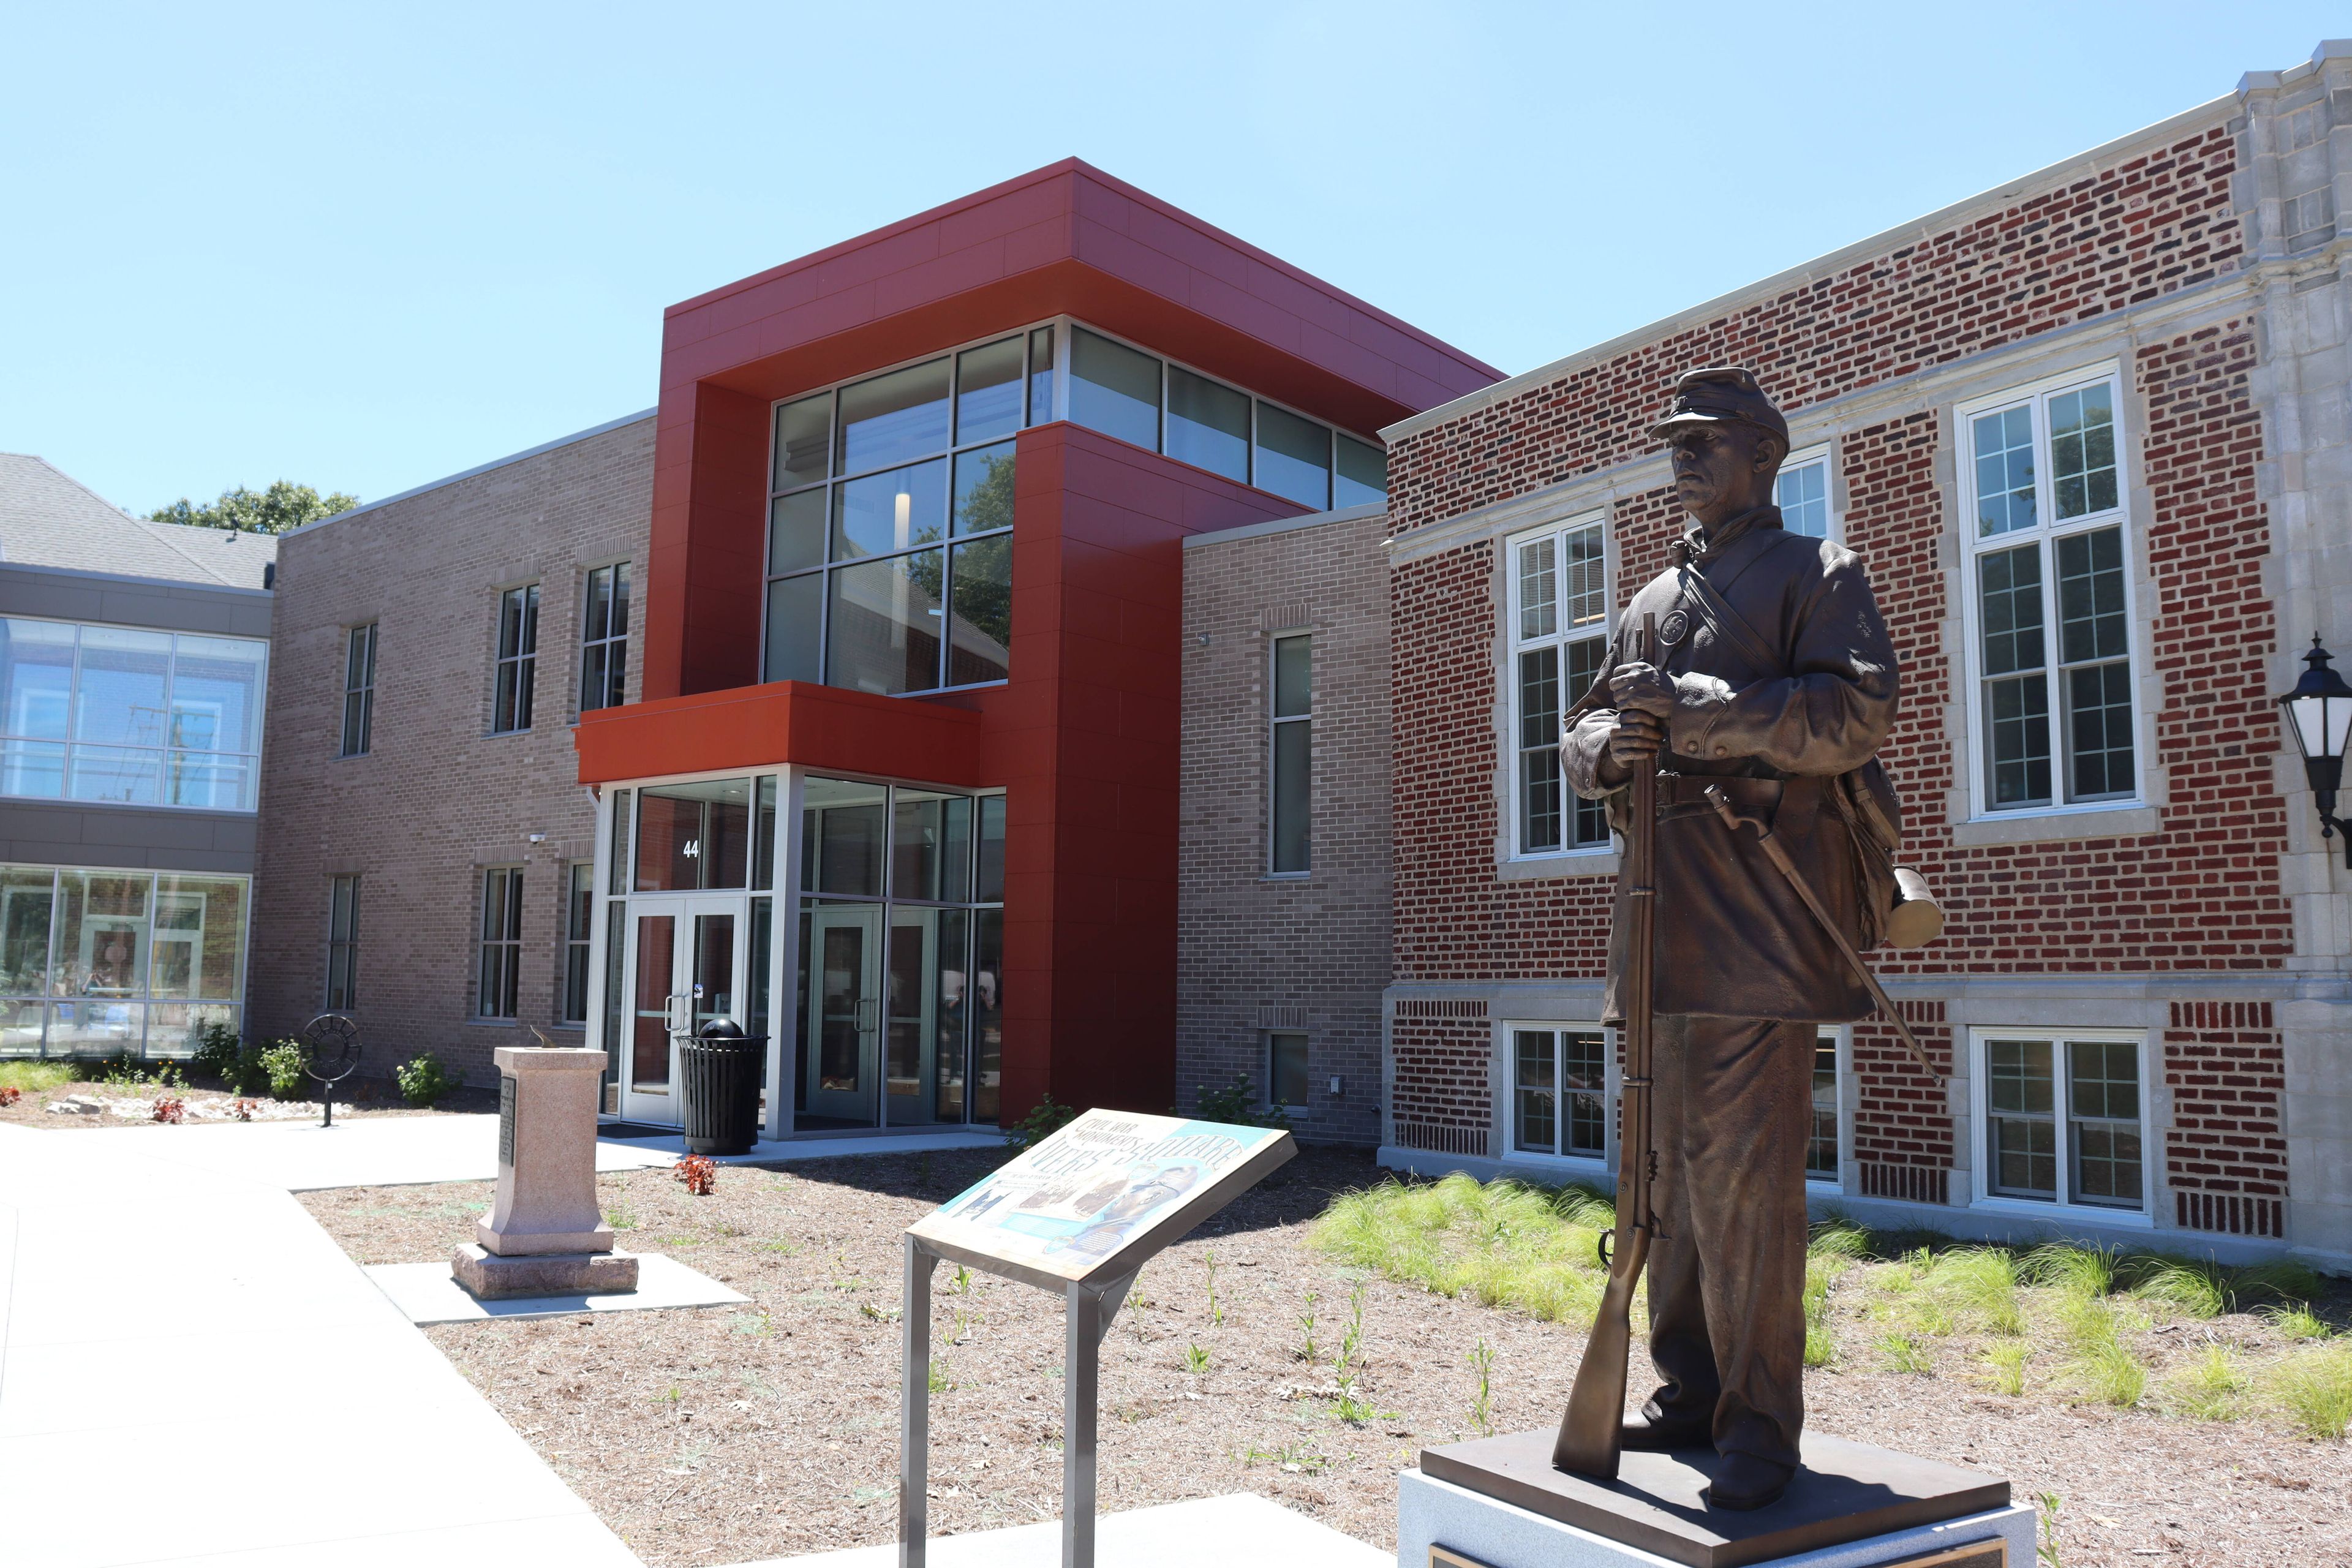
x=2320 y=709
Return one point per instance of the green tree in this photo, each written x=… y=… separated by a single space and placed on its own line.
x=283 y=506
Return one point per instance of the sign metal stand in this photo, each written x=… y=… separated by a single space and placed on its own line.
x=1091 y=1299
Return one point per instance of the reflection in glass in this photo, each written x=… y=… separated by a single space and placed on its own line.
x=693 y=835
x=983 y=489
x=1363 y=474
x=116 y=774
x=198 y=941
x=25 y=902
x=713 y=986
x=838 y=1015
x=988 y=390
x=893 y=418
x=949 y=981
x=1041 y=375
x=988 y=871
x=763 y=832
x=930 y=846
x=796 y=532
x=1114 y=389
x=987 y=1007
x=97 y=1028
x=981 y=641
x=33 y=767
x=618 y=882
x=217 y=694
x=1208 y=425
x=795 y=625
x=1294 y=457
x=882 y=629
x=101 y=946
x=887 y=512
x=210 y=782
x=803 y=437
x=841 y=837
x=35 y=679
x=649 y=1032
x=120 y=699
x=174 y=1029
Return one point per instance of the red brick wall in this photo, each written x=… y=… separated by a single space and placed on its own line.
x=1441 y=1094
x=2202 y=893
x=2225 y=1153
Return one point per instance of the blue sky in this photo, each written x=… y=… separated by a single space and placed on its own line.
x=365 y=246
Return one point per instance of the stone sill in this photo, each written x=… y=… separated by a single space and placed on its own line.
x=1587 y=863
x=2123 y=822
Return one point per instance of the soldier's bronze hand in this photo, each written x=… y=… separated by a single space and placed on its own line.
x=1643 y=687
x=1644 y=699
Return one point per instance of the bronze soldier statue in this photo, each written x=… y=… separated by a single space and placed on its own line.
x=1771 y=679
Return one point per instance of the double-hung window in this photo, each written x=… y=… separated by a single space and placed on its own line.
x=1558 y=613
x=1822 y=1147
x=1802 y=494
x=579 y=923
x=1290 y=804
x=604 y=639
x=2063 y=1118
x=501 y=956
x=359 y=691
x=2049 y=599
x=517 y=660
x=343 y=944
x=1560 y=1092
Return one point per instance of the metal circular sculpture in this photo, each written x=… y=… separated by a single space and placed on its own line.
x=331 y=1054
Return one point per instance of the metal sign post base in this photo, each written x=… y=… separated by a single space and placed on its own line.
x=1089 y=1315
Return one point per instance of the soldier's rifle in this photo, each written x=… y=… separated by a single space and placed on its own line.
x=1591 y=1434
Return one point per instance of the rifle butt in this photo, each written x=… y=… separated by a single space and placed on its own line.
x=1591 y=1434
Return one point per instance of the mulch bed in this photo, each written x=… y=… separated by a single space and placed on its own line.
x=128 y=1106
x=725 y=1434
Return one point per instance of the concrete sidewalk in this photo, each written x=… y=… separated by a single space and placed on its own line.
x=191 y=1370
x=408 y=1151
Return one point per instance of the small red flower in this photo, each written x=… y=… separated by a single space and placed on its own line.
x=699 y=1172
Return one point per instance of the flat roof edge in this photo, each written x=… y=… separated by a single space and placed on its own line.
x=577 y=435
x=1910 y=231
x=129 y=579
x=1286 y=524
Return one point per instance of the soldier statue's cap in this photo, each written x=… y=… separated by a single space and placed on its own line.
x=1716 y=394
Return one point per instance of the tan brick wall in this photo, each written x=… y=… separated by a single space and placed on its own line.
x=438 y=799
x=1257 y=953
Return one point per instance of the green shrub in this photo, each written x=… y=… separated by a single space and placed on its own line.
x=1236 y=1105
x=2314 y=1388
x=424 y=1079
x=2210 y=1388
x=216 y=1051
x=281 y=1064
x=37 y=1077
x=1045 y=1118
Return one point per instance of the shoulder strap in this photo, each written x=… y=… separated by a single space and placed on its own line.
x=1730 y=623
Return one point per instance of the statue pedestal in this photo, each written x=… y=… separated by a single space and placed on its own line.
x=1498 y=1503
x=545 y=1235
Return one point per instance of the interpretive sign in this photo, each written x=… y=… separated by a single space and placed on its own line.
x=1096 y=1199
x=1078 y=1215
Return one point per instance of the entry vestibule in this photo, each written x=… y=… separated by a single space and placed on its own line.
x=880 y=995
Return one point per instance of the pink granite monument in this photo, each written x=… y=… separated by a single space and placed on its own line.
x=545 y=1235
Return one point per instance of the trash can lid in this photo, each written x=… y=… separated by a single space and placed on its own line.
x=723 y=1029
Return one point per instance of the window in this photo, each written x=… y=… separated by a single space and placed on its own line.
x=890 y=521
x=1559 y=614
x=579 y=922
x=131 y=718
x=343 y=944
x=1559 y=1081
x=110 y=963
x=517 y=663
x=604 y=639
x=1802 y=494
x=2063 y=1120
x=1821 y=1148
x=1286 y=1069
x=2048 y=601
x=359 y=690
x=494 y=996
x=1290 y=804
x=1122 y=391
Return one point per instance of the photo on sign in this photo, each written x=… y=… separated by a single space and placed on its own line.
x=1109 y=1184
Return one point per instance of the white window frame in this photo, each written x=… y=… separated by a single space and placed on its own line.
x=1980 y=1126
x=1507 y=1032
x=1820 y=453
x=1841 y=1036
x=1561 y=636
x=2043 y=535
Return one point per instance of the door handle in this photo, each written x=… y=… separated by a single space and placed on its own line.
x=869 y=1015
x=680 y=1019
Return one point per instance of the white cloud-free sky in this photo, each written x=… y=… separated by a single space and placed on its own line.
x=362 y=247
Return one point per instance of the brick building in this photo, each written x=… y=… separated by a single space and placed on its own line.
x=2084 y=430
x=428 y=851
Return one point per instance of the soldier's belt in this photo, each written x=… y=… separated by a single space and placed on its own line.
x=1684 y=794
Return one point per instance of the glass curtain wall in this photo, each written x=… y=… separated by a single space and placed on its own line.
x=134 y=718
x=899 y=1017
x=108 y=963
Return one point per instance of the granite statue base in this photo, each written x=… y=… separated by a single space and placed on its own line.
x=490 y=1277
x=1498 y=1503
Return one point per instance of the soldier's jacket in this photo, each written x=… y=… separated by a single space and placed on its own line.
x=1733 y=938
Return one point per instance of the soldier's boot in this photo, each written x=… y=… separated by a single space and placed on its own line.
x=1649 y=1434
x=1743 y=1482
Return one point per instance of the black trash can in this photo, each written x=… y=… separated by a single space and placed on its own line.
x=718 y=1072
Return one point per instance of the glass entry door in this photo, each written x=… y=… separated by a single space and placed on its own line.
x=844 y=1012
x=686 y=966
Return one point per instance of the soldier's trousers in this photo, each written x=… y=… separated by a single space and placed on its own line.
x=1733 y=1113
